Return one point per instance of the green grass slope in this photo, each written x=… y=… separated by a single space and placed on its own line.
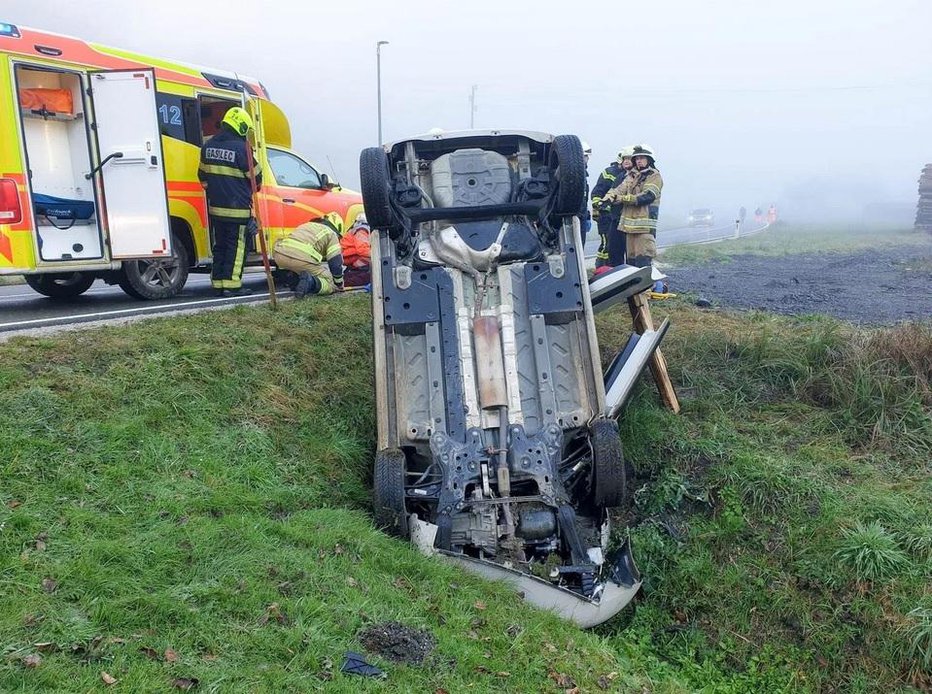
x=186 y=499
x=784 y=238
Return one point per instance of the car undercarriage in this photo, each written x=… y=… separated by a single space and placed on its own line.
x=497 y=443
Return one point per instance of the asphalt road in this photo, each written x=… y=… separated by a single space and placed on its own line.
x=22 y=309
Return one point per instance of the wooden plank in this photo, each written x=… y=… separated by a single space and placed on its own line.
x=643 y=321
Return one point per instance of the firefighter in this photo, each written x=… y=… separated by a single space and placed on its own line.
x=312 y=251
x=639 y=196
x=224 y=173
x=607 y=215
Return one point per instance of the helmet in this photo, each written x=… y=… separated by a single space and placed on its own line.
x=238 y=120
x=625 y=151
x=644 y=150
x=332 y=220
x=586 y=148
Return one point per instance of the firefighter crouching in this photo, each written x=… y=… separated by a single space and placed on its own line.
x=607 y=213
x=312 y=251
x=639 y=195
x=224 y=173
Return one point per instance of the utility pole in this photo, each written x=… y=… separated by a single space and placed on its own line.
x=378 y=82
x=472 y=107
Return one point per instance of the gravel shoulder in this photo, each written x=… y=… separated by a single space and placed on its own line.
x=869 y=287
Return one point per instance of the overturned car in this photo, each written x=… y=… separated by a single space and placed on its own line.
x=497 y=447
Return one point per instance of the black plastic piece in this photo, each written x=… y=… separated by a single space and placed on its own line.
x=549 y=295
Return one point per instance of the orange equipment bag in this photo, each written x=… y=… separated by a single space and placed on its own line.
x=49 y=100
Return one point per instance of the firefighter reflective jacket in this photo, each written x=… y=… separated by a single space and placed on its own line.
x=640 y=216
x=225 y=169
x=310 y=244
x=608 y=179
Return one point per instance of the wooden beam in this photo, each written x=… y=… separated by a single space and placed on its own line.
x=642 y=320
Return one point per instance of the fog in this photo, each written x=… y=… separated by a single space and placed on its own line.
x=824 y=109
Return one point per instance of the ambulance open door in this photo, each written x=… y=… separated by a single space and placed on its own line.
x=130 y=166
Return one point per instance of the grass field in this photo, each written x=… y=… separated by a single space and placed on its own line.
x=787 y=239
x=186 y=500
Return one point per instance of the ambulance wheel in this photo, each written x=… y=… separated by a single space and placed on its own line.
x=389 y=492
x=375 y=181
x=157 y=278
x=609 y=478
x=61 y=285
x=568 y=165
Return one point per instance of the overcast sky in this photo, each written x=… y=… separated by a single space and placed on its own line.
x=819 y=106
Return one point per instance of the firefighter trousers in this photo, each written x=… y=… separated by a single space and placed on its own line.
x=616 y=247
x=641 y=248
x=608 y=222
x=229 y=253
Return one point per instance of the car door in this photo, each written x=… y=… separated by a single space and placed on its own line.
x=131 y=167
x=296 y=190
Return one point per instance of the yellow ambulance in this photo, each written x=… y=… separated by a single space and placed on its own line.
x=99 y=151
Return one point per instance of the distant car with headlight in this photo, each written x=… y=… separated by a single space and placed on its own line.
x=701 y=217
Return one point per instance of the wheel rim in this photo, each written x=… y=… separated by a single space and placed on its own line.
x=159 y=272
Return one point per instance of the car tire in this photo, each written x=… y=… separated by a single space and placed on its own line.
x=375 y=180
x=569 y=166
x=609 y=478
x=156 y=278
x=61 y=285
x=389 y=492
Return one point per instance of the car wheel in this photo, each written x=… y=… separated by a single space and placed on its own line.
x=157 y=278
x=389 y=492
x=609 y=479
x=569 y=164
x=375 y=180
x=61 y=285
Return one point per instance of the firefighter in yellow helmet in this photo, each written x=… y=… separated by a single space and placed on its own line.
x=224 y=173
x=639 y=195
x=313 y=252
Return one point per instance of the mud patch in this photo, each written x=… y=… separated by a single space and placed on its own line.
x=871 y=287
x=399 y=643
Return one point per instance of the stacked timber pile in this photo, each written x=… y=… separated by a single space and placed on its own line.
x=924 y=208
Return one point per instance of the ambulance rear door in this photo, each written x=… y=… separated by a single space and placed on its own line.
x=130 y=166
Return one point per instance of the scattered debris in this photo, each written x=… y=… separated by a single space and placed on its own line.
x=561 y=679
x=149 y=652
x=273 y=613
x=185 y=683
x=605 y=681
x=108 y=678
x=33 y=660
x=171 y=656
x=355 y=664
x=397 y=642
x=49 y=585
x=703 y=303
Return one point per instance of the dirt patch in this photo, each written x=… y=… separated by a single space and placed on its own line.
x=397 y=642
x=870 y=287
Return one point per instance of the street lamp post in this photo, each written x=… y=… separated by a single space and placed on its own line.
x=378 y=79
